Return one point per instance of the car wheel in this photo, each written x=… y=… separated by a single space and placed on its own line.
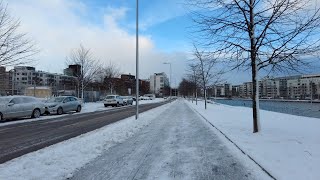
x=79 y=108
x=118 y=104
x=36 y=113
x=105 y=105
x=1 y=118
x=46 y=112
x=59 y=111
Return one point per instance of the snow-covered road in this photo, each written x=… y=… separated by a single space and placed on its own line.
x=176 y=145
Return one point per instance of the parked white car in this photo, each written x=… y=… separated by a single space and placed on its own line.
x=127 y=100
x=20 y=106
x=113 y=100
x=62 y=104
x=149 y=97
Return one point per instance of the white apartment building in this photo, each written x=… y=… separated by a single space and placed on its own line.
x=221 y=90
x=157 y=83
x=23 y=77
x=290 y=87
x=304 y=87
x=270 y=88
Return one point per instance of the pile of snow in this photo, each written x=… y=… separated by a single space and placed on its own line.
x=288 y=146
x=60 y=160
x=93 y=106
x=156 y=100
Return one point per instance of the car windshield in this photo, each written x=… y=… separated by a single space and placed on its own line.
x=110 y=97
x=56 y=99
x=5 y=100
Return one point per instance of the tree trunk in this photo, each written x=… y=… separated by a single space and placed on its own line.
x=78 y=90
x=255 y=98
x=192 y=97
x=82 y=91
x=196 y=97
x=205 y=98
x=253 y=54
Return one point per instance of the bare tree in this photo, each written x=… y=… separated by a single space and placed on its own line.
x=186 y=87
x=88 y=70
x=108 y=74
x=208 y=72
x=15 y=47
x=194 y=78
x=274 y=35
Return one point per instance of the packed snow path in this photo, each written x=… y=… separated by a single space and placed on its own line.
x=176 y=145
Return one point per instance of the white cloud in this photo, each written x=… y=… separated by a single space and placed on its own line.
x=160 y=11
x=58 y=26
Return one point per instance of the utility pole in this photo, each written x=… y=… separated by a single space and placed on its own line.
x=137 y=59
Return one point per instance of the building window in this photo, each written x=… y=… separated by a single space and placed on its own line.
x=161 y=79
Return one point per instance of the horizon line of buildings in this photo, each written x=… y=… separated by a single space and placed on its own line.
x=22 y=80
x=288 y=87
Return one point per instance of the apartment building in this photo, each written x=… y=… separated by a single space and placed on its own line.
x=270 y=88
x=23 y=77
x=158 y=81
x=304 y=87
x=289 y=87
x=221 y=90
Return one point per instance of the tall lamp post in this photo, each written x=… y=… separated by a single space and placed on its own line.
x=137 y=59
x=170 y=77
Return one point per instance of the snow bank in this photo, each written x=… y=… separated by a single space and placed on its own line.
x=288 y=146
x=60 y=160
x=156 y=100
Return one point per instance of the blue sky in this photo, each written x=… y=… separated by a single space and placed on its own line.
x=166 y=21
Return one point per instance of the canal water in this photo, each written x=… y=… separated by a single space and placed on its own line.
x=306 y=109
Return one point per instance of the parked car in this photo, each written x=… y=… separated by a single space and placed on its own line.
x=62 y=104
x=127 y=100
x=149 y=97
x=20 y=106
x=113 y=100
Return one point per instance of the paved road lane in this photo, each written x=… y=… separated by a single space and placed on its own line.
x=176 y=145
x=19 y=139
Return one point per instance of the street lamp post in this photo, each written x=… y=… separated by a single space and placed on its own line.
x=170 y=77
x=137 y=59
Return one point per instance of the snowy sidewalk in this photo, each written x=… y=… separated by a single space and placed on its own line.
x=288 y=146
x=175 y=145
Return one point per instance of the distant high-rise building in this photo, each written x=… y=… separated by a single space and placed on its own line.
x=158 y=81
x=73 y=70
